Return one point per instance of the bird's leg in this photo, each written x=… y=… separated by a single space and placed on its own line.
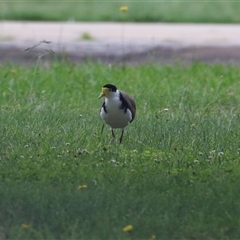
x=113 y=135
x=121 y=138
x=102 y=128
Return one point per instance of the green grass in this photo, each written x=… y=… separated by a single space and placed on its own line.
x=176 y=174
x=139 y=11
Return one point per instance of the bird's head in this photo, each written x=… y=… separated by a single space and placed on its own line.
x=106 y=89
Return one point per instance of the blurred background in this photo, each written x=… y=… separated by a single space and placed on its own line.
x=139 y=11
x=115 y=31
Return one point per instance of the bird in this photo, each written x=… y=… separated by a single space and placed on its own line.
x=118 y=108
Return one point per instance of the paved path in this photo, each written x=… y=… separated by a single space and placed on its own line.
x=111 y=42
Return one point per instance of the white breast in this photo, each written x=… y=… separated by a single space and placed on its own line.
x=115 y=117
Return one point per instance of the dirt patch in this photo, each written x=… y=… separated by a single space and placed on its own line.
x=130 y=55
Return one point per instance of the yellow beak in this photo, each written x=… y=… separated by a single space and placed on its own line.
x=104 y=92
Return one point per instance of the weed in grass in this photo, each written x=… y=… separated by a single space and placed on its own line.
x=176 y=175
x=6 y=38
x=86 y=36
x=123 y=9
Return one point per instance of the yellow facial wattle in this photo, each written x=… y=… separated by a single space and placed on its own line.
x=104 y=92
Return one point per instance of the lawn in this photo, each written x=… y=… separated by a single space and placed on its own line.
x=138 y=11
x=175 y=176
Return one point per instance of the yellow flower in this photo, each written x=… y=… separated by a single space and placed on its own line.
x=13 y=71
x=128 y=228
x=153 y=237
x=123 y=8
x=82 y=186
x=25 y=226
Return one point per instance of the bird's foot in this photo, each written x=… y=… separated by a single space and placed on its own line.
x=113 y=135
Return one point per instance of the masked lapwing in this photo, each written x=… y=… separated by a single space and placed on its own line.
x=118 y=108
